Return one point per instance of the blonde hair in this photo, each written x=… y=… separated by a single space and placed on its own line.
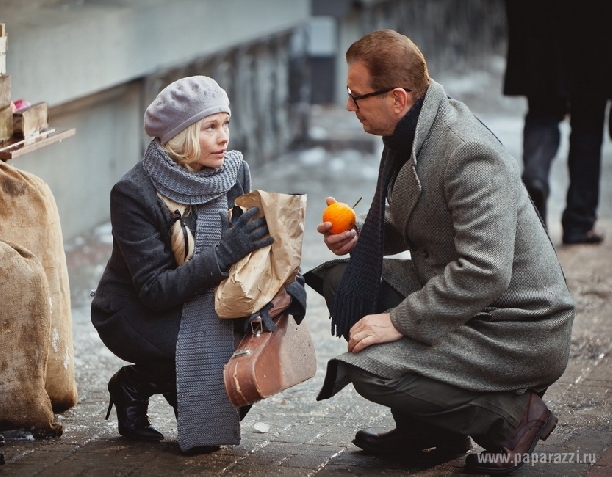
x=392 y=60
x=184 y=148
x=181 y=237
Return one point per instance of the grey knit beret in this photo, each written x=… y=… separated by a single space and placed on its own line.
x=182 y=103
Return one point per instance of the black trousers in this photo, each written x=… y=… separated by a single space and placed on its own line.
x=541 y=140
x=419 y=404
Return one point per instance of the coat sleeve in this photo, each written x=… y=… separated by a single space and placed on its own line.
x=138 y=224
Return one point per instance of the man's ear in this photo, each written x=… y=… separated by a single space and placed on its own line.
x=401 y=99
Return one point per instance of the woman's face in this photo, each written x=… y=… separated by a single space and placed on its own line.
x=214 y=137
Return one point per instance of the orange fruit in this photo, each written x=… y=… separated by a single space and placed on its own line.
x=341 y=216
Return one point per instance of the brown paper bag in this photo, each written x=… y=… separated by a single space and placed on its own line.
x=257 y=278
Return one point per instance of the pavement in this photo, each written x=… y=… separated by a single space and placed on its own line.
x=291 y=434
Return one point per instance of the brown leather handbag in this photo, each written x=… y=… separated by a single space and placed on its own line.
x=266 y=363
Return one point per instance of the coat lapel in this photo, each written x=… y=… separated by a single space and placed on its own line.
x=405 y=194
x=407 y=188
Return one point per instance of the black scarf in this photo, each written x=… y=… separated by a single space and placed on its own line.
x=358 y=292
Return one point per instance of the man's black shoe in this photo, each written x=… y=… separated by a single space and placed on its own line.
x=400 y=442
x=590 y=237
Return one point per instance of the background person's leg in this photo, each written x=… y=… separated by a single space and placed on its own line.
x=541 y=139
x=584 y=166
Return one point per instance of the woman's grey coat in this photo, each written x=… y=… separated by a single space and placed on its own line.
x=487 y=306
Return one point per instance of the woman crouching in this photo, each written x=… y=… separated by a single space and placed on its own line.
x=172 y=245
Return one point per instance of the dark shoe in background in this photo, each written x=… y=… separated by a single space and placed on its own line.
x=537 y=423
x=1 y=454
x=400 y=442
x=590 y=237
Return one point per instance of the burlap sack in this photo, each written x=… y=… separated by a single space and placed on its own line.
x=25 y=329
x=30 y=219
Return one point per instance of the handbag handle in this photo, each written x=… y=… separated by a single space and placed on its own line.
x=257 y=326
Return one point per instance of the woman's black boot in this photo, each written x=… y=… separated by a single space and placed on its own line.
x=161 y=377
x=130 y=392
x=171 y=399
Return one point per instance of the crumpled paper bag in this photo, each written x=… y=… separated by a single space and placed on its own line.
x=256 y=279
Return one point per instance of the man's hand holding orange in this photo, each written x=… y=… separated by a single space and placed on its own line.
x=337 y=227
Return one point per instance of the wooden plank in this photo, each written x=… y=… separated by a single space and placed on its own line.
x=31 y=120
x=2 y=29
x=20 y=147
x=5 y=91
x=6 y=123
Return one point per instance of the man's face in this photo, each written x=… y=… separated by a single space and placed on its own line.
x=374 y=112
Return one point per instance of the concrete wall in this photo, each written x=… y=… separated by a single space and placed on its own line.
x=99 y=63
x=81 y=169
x=66 y=51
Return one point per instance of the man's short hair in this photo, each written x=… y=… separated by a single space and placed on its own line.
x=392 y=60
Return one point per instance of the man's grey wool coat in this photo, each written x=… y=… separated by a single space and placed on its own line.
x=487 y=306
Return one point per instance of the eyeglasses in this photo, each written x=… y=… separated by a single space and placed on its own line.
x=367 y=95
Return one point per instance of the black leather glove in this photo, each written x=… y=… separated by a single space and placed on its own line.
x=242 y=238
x=266 y=319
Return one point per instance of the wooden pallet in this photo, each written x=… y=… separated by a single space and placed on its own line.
x=27 y=129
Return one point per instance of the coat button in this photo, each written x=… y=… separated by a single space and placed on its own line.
x=425 y=254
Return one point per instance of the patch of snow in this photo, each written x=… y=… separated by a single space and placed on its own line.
x=312 y=157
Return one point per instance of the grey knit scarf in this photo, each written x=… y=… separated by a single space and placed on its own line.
x=205 y=342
